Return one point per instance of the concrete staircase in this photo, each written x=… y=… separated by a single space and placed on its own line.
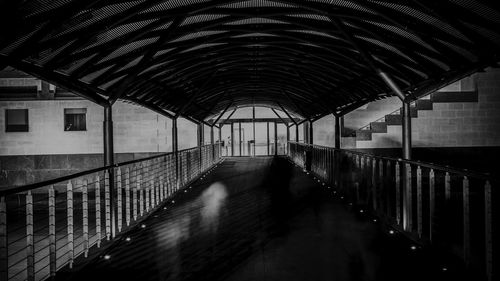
x=381 y=126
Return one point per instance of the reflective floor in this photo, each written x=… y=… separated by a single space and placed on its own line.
x=262 y=219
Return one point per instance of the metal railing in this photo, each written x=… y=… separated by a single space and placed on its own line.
x=46 y=226
x=448 y=208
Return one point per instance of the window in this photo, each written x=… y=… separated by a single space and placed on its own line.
x=75 y=119
x=16 y=120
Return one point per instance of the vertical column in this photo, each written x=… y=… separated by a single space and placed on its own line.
x=397 y=171
x=108 y=161
x=297 y=132
x=4 y=262
x=220 y=139
x=52 y=232
x=268 y=150
x=119 y=204
x=98 y=210
x=432 y=203
x=69 y=197
x=232 y=139
x=127 y=196
x=336 y=172
x=30 y=244
x=175 y=149
x=406 y=130
x=488 y=231
x=275 y=138
x=253 y=128
x=311 y=130
x=212 y=141
x=419 y=201
x=466 y=220
x=201 y=134
x=240 y=142
x=85 y=217
x=107 y=205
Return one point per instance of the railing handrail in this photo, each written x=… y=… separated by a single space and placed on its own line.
x=16 y=189
x=451 y=170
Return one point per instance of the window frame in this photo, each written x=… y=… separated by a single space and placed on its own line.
x=65 y=119
x=8 y=127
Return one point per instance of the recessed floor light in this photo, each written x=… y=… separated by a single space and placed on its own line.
x=107 y=257
x=143 y=226
x=391 y=231
x=413 y=248
x=127 y=239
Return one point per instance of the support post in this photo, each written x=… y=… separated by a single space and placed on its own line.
x=338 y=132
x=275 y=138
x=406 y=130
x=4 y=262
x=220 y=140
x=175 y=150
x=108 y=161
x=311 y=132
x=297 y=132
x=232 y=138
x=336 y=152
x=201 y=136
x=268 y=152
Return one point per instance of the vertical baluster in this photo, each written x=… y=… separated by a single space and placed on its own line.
x=397 y=171
x=127 y=196
x=119 y=198
x=408 y=202
x=162 y=189
x=374 y=184
x=30 y=247
x=488 y=228
x=466 y=220
x=4 y=254
x=432 y=204
x=134 y=196
x=447 y=189
x=387 y=187
x=71 y=248
x=153 y=193
x=419 y=202
x=52 y=232
x=141 y=194
x=380 y=185
x=147 y=195
x=85 y=217
x=361 y=177
x=107 y=204
x=98 y=211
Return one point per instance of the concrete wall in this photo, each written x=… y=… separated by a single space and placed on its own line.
x=467 y=124
x=47 y=151
x=136 y=129
x=363 y=115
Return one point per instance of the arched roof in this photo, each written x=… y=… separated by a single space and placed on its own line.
x=199 y=57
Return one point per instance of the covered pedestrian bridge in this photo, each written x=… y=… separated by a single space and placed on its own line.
x=201 y=214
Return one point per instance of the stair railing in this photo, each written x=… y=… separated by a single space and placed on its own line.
x=45 y=226
x=439 y=206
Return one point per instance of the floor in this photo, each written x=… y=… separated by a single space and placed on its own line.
x=262 y=219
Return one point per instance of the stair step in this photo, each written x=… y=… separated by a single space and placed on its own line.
x=424 y=105
x=348 y=142
x=393 y=119
x=378 y=127
x=413 y=112
x=363 y=135
x=466 y=96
